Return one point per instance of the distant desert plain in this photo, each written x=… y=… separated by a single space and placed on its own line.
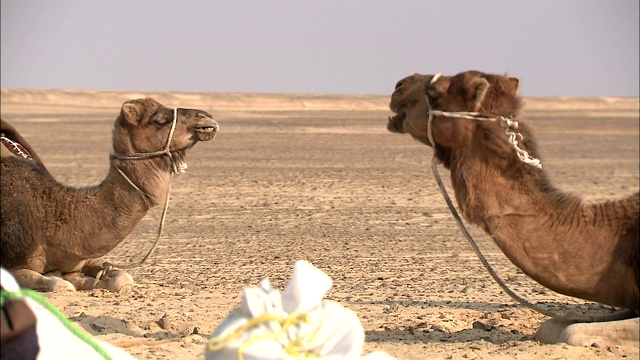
x=319 y=178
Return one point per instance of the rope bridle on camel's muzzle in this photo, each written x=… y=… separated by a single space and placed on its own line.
x=512 y=137
x=175 y=169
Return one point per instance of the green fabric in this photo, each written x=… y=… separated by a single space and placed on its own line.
x=22 y=293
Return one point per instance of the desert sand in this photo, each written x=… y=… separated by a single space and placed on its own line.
x=319 y=178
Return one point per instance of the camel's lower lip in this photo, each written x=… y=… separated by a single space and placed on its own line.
x=396 y=122
x=206 y=133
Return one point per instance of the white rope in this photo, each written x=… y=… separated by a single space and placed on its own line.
x=435 y=78
x=129 y=181
x=507 y=125
x=524 y=156
x=461 y=114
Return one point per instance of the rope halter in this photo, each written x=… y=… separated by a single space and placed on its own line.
x=507 y=125
x=175 y=169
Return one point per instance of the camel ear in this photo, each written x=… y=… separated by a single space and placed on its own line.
x=132 y=111
x=439 y=87
x=515 y=83
x=478 y=90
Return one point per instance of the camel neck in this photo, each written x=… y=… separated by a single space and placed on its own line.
x=115 y=207
x=145 y=195
x=548 y=234
x=147 y=176
x=91 y=220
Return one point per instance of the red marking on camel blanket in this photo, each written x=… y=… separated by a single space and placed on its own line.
x=15 y=148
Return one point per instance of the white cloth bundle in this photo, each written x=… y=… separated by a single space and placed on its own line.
x=58 y=338
x=297 y=324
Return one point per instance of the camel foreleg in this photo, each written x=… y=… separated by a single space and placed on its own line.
x=50 y=282
x=92 y=277
x=117 y=281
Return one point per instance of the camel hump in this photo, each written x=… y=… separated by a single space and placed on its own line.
x=16 y=144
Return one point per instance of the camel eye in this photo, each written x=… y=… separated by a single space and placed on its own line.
x=399 y=84
x=204 y=115
x=162 y=119
x=433 y=98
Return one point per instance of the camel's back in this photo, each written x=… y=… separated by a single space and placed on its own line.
x=19 y=171
x=22 y=185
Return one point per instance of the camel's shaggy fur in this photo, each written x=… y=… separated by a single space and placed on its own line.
x=53 y=235
x=580 y=249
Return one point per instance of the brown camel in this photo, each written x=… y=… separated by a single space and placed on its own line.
x=580 y=249
x=53 y=236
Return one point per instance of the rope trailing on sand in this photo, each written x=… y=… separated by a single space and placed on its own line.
x=476 y=249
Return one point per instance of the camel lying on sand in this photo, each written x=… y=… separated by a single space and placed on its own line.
x=584 y=250
x=53 y=236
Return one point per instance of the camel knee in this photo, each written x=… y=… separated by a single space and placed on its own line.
x=93 y=267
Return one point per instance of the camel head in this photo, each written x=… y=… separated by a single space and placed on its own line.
x=488 y=95
x=144 y=126
x=409 y=103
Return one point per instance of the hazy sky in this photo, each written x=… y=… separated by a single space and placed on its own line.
x=555 y=47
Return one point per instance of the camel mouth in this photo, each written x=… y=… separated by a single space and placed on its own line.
x=206 y=132
x=396 y=122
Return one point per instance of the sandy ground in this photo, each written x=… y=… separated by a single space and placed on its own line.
x=319 y=178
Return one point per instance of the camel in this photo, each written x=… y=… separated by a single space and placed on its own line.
x=584 y=250
x=54 y=236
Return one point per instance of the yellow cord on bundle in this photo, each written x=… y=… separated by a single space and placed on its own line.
x=293 y=348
